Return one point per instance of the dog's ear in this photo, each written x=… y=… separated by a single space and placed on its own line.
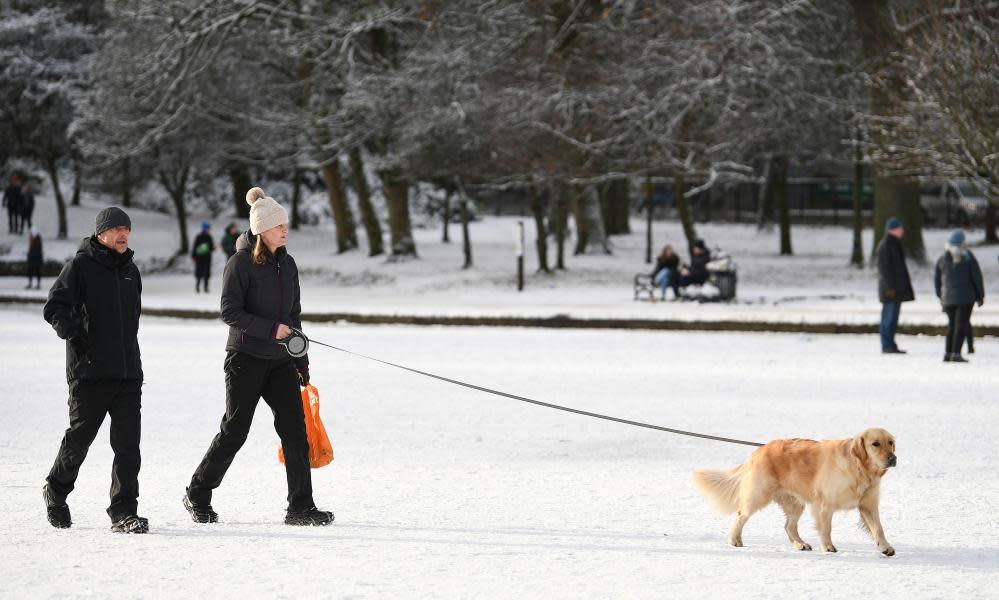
x=859 y=449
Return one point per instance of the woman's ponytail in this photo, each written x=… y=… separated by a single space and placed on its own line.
x=258 y=252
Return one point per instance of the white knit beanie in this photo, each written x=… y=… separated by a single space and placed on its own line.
x=265 y=212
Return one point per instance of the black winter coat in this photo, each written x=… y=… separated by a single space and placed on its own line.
x=12 y=198
x=672 y=263
x=27 y=204
x=35 y=251
x=257 y=298
x=699 y=267
x=958 y=283
x=894 y=284
x=94 y=305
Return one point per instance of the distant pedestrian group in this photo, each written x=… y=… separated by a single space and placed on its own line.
x=669 y=274
x=19 y=200
x=957 y=281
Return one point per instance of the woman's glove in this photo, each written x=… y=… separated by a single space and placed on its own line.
x=303 y=375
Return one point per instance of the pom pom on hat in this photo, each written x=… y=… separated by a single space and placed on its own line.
x=254 y=194
x=265 y=212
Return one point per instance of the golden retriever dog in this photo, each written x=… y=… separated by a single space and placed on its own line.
x=830 y=475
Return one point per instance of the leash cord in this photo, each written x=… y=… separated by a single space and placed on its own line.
x=545 y=404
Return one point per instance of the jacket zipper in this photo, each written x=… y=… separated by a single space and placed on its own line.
x=280 y=292
x=121 y=324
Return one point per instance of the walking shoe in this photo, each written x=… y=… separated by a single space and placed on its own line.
x=201 y=513
x=894 y=351
x=309 y=516
x=956 y=357
x=947 y=357
x=131 y=524
x=971 y=349
x=57 y=513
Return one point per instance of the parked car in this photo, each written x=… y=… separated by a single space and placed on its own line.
x=953 y=203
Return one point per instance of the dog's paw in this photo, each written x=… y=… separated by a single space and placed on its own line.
x=888 y=551
x=803 y=546
x=829 y=548
x=737 y=542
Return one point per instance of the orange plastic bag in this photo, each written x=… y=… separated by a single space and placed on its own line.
x=320 y=448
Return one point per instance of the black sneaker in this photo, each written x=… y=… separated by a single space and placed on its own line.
x=57 y=513
x=958 y=358
x=894 y=351
x=130 y=524
x=309 y=516
x=201 y=513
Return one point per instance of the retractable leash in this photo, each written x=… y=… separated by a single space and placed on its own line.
x=297 y=344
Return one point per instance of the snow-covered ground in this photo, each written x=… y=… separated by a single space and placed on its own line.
x=441 y=491
x=815 y=285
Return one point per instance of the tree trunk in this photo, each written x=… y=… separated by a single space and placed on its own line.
x=176 y=187
x=615 y=207
x=466 y=240
x=126 y=182
x=77 y=182
x=346 y=230
x=778 y=172
x=857 y=256
x=598 y=241
x=447 y=215
x=683 y=210
x=560 y=212
x=649 y=194
x=577 y=204
x=368 y=216
x=296 y=197
x=899 y=198
x=765 y=204
x=400 y=229
x=538 y=210
x=241 y=183
x=894 y=195
x=53 y=171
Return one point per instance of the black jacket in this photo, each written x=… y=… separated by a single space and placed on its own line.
x=35 y=251
x=958 y=283
x=257 y=298
x=229 y=243
x=699 y=266
x=203 y=238
x=27 y=203
x=894 y=284
x=94 y=305
x=672 y=263
x=12 y=198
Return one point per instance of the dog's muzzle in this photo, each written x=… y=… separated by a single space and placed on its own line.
x=892 y=461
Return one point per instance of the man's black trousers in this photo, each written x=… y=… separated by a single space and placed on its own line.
x=89 y=402
x=247 y=379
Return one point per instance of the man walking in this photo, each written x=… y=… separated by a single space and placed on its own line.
x=94 y=305
x=894 y=285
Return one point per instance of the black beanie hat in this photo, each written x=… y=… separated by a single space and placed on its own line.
x=112 y=217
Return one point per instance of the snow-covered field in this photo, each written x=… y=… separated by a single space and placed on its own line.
x=815 y=285
x=440 y=491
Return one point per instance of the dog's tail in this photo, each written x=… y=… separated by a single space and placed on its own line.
x=721 y=488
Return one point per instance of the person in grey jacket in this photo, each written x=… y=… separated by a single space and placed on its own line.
x=261 y=302
x=958 y=283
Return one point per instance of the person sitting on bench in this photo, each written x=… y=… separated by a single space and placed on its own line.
x=697 y=271
x=666 y=274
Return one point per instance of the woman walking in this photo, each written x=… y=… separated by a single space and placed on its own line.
x=35 y=258
x=958 y=282
x=260 y=303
